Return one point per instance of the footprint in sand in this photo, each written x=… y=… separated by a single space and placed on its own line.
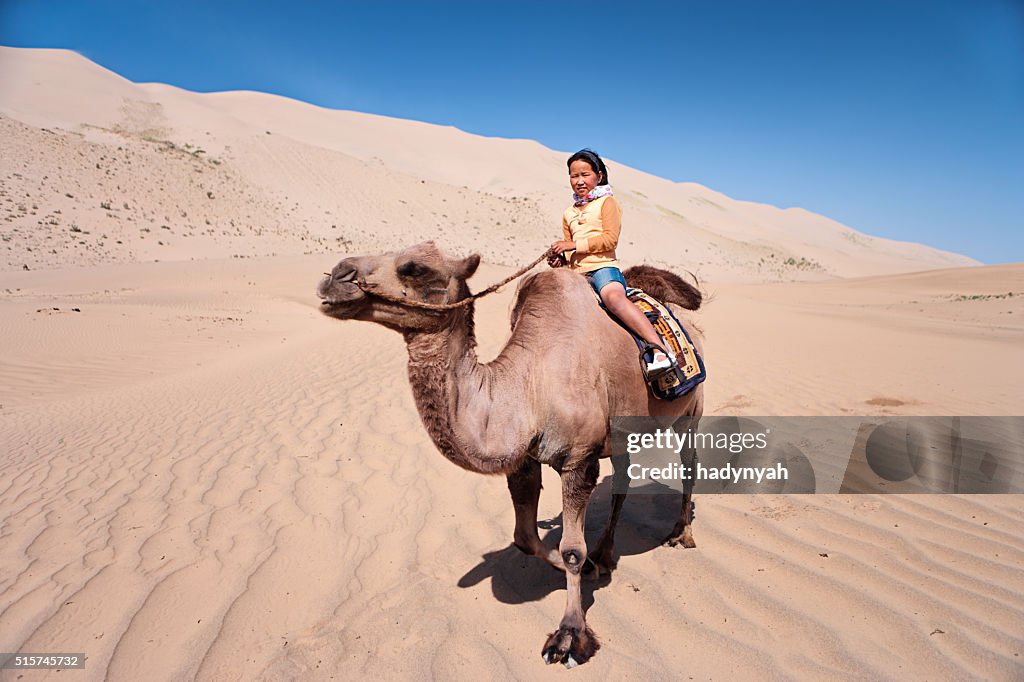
x=737 y=401
x=885 y=402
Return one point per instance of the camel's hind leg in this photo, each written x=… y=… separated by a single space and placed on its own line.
x=682 y=533
x=574 y=642
x=524 y=486
x=602 y=559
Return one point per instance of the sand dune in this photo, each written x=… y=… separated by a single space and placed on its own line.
x=201 y=477
x=205 y=172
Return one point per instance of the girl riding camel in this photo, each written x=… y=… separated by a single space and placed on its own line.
x=590 y=231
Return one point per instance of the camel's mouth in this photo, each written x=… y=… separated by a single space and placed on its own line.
x=345 y=310
x=339 y=298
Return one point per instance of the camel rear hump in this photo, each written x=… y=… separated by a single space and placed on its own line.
x=664 y=285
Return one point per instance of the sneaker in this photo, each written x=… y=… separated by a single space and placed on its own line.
x=658 y=364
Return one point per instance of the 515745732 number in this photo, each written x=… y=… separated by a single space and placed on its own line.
x=40 y=661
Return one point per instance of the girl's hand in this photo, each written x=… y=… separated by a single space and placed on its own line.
x=555 y=261
x=562 y=246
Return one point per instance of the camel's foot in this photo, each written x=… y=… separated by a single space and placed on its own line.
x=599 y=564
x=551 y=556
x=682 y=534
x=570 y=646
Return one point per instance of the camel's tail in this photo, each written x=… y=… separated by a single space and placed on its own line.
x=664 y=285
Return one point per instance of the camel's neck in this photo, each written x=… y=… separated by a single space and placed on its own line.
x=476 y=414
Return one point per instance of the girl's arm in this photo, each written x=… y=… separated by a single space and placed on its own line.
x=611 y=221
x=566 y=244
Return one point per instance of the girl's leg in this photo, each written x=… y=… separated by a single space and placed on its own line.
x=614 y=297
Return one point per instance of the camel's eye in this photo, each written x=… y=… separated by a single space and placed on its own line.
x=412 y=269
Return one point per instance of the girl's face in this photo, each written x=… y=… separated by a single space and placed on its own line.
x=582 y=177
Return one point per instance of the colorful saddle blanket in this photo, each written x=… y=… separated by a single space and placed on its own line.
x=688 y=370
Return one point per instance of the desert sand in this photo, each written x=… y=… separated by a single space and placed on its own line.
x=202 y=477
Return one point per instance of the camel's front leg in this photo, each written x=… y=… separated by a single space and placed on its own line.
x=574 y=643
x=524 y=486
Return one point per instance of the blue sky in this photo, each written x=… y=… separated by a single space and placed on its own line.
x=899 y=118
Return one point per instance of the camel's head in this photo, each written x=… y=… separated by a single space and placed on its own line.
x=419 y=273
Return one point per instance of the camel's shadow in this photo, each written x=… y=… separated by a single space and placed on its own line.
x=644 y=523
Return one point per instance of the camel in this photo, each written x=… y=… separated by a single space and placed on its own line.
x=546 y=399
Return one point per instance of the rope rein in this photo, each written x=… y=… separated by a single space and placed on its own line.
x=367 y=289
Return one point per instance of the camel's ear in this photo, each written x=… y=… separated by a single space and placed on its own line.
x=467 y=266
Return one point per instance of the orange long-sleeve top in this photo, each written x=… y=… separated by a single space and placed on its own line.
x=594 y=227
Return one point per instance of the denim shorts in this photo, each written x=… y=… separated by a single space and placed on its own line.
x=599 y=279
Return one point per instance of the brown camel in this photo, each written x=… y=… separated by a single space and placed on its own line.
x=546 y=399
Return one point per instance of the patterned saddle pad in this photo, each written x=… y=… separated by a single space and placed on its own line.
x=689 y=369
